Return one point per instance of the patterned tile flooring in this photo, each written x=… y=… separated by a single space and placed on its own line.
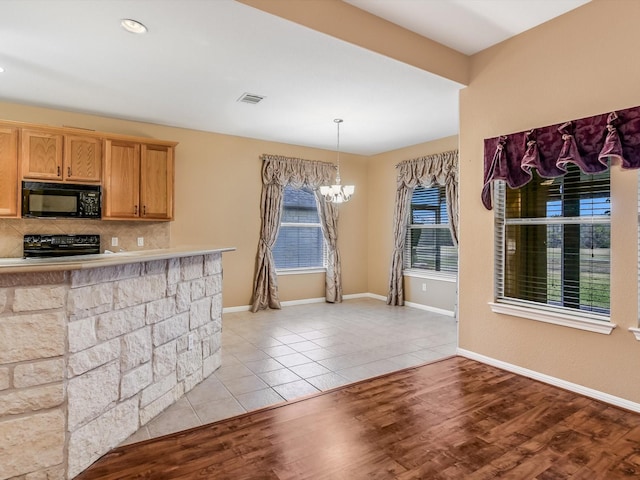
x=273 y=356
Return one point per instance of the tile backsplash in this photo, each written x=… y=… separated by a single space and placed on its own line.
x=155 y=234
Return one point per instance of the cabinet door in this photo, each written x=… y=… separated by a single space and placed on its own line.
x=82 y=159
x=121 y=192
x=8 y=172
x=41 y=155
x=156 y=188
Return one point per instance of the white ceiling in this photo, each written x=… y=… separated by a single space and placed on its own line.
x=200 y=56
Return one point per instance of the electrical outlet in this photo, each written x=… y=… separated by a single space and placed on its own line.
x=190 y=341
x=114 y=241
x=141 y=241
x=424 y=287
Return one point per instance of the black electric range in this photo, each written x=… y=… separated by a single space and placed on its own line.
x=38 y=246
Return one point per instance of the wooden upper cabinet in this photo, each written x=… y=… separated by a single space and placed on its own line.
x=156 y=177
x=138 y=181
x=56 y=156
x=82 y=159
x=121 y=182
x=9 y=176
x=41 y=155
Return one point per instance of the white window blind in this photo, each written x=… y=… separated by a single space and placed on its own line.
x=429 y=245
x=300 y=243
x=553 y=242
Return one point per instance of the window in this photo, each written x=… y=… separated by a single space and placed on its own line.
x=553 y=243
x=429 y=245
x=300 y=243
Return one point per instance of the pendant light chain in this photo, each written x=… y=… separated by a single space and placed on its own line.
x=338 y=122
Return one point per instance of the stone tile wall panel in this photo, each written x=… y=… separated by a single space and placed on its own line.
x=93 y=357
x=93 y=276
x=198 y=289
x=173 y=271
x=31 y=443
x=118 y=322
x=189 y=361
x=38 y=373
x=87 y=301
x=165 y=359
x=161 y=310
x=213 y=284
x=135 y=381
x=212 y=264
x=93 y=393
x=38 y=298
x=4 y=378
x=136 y=349
x=170 y=329
x=135 y=291
x=82 y=334
x=158 y=389
x=15 y=402
x=183 y=296
x=155 y=267
x=199 y=313
x=31 y=337
x=191 y=267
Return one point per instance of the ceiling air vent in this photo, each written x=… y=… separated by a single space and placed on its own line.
x=250 y=98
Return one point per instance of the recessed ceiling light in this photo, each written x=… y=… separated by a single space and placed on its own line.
x=133 y=26
x=1 y=69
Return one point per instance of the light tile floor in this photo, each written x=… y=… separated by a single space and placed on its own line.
x=277 y=355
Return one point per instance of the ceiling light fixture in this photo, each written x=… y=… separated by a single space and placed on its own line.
x=133 y=26
x=337 y=193
x=1 y=70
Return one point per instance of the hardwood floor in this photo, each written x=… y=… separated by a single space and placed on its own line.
x=452 y=419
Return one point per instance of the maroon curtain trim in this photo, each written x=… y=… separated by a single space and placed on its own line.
x=592 y=143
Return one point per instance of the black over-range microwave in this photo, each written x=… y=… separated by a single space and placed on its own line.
x=61 y=200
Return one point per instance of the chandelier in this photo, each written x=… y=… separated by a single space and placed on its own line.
x=337 y=193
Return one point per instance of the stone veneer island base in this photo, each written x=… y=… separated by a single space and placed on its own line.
x=92 y=349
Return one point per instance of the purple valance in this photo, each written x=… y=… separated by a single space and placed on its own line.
x=591 y=143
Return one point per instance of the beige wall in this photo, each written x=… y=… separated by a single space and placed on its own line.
x=580 y=64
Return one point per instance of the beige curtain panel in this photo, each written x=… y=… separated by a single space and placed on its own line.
x=278 y=172
x=438 y=169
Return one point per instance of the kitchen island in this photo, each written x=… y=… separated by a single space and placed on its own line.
x=94 y=347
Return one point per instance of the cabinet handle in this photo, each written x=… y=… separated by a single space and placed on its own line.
x=135 y=210
x=58 y=170
x=144 y=210
x=68 y=171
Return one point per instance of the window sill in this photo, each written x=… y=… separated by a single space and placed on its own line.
x=300 y=271
x=636 y=332
x=572 y=321
x=429 y=274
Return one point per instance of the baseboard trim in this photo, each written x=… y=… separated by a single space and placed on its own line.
x=241 y=308
x=365 y=295
x=428 y=308
x=557 y=382
x=304 y=301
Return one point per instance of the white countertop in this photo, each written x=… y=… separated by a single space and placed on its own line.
x=79 y=262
